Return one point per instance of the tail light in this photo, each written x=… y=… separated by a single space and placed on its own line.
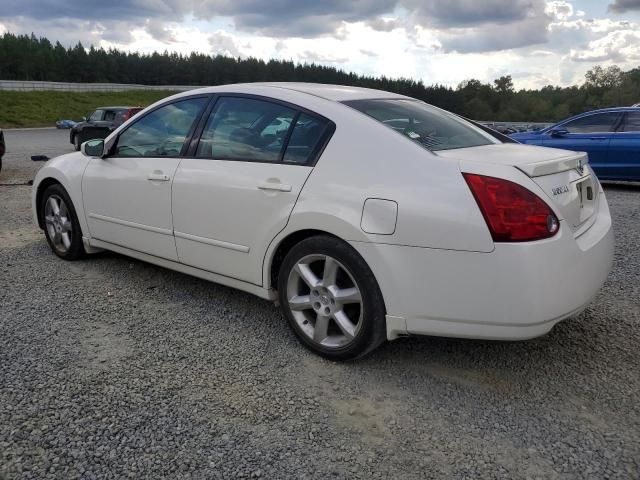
x=512 y=213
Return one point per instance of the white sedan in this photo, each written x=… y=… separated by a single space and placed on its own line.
x=366 y=215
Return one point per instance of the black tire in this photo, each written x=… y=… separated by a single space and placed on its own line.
x=77 y=142
x=371 y=330
x=76 y=247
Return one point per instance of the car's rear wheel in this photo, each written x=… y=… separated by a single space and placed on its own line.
x=331 y=298
x=76 y=142
x=61 y=226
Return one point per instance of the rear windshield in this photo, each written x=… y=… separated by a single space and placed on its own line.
x=428 y=126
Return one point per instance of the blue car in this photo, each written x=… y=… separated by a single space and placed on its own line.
x=610 y=136
x=65 y=124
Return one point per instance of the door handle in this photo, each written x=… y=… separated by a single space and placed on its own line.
x=597 y=138
x=278 y=187
x=158 y=177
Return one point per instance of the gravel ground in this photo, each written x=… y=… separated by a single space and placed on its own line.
x=113 y=368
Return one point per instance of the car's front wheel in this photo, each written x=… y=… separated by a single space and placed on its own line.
x=331 y=298
x=76 y=142
x=61 y=226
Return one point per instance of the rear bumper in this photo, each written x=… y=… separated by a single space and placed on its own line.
x=516 y=292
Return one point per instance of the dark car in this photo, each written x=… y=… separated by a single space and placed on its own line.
x=100 y=124
x=3 y=147
x=610 y=136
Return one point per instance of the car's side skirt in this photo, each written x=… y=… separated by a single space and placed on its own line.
x=267 y=294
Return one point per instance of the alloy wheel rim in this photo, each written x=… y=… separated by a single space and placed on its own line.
x=325 y=301
x=58 y=223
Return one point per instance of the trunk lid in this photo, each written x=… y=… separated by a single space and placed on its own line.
x=564 y=176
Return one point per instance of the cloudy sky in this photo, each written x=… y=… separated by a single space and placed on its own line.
x=538 y=42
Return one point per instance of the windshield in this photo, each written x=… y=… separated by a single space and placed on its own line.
x=428 y=126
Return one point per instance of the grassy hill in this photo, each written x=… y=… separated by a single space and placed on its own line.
x=42 y=109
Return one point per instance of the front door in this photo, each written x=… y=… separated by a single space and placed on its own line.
x=236 y=192
x=591 y=134
x=127 y=195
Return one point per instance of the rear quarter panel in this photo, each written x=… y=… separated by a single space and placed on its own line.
x=366 y=159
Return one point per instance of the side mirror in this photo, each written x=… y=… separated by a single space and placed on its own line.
x=558 y=132
x=93 y=148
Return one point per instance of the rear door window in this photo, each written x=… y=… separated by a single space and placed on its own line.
x=246 y=129
x=110 y=116
x=631 y=122
x=306 y=139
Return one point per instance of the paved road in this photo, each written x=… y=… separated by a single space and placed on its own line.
x=21 y=144
x=112 y=368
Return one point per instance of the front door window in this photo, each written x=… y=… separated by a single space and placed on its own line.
x=162 y=132
x=597 y=123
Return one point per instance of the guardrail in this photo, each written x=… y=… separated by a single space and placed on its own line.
x=26 y=86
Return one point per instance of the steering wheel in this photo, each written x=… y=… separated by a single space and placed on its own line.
x=162 y=151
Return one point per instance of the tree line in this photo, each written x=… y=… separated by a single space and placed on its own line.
x=27 y=57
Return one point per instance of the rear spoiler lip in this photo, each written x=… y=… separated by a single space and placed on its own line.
x=575 y=161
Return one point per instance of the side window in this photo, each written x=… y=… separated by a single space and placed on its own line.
x=96 y=116
x=245 y=129
x=598 y=123
x=109 y=116
x=162 y=132
x=305 y=139
x=632 y=122
x=119 y=118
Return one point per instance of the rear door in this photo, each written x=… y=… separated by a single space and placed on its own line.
x=127 y=195
x=624 y=152
x=236 y=190
x=591 y=134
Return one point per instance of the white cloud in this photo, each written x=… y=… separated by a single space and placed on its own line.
x=384 y=24
x=559 y=9
x=437 y=41
x=541 y=53
x=224 y=44
x=619 y=46
x=160 y=31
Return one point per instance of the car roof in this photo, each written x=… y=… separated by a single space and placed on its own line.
x=591 y=112
x=609 y=110
x=117 y=108
x=338 y=93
